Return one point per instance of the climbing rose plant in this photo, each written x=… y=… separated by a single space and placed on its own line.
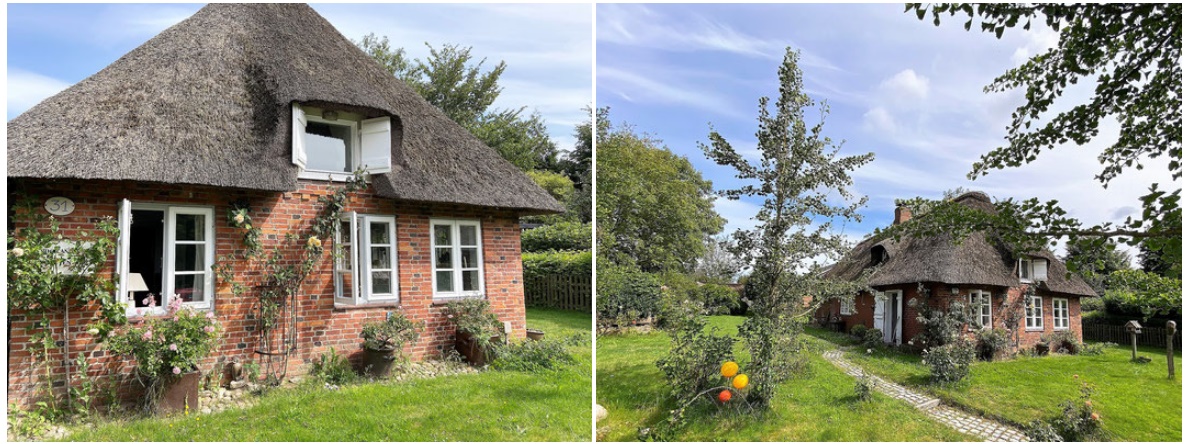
x=169 y=345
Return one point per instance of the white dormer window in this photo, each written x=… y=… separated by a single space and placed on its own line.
x=1024 y=269
x=329 y=144
x=1032 y=269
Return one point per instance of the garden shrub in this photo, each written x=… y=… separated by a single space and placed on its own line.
x=858 y=331
x=693 y=363
x=1094 y=349
x=1078 y=422
x=864 y=388
x=553 y=263
x=573 y=236
x=939 y=326
x=990 y=343
x=625 y=294
x=333 y=368
x=1061 y=342
x=1092 y=304
x=533 y=356
x=873 y=337
x=950 y=362
x=718 y=299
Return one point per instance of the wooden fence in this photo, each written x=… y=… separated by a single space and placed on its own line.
x=563 y=292
x=1150 y=337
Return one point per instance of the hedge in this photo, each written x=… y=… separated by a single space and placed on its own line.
x=559 y=236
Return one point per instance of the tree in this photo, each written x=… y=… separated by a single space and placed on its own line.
x=578 y=166
x=1094 y=261
x=719 y=262
x=1146 y=293
x=653 y=207
x=450 y=80
x=1151 y=262
x=799 y=169
x=1133 y=53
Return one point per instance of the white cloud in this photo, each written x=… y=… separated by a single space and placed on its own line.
x=739 y=214
x=26 y=89
x=878 y=119
x=668 y=91
x=906 y=87
x=1037 y=41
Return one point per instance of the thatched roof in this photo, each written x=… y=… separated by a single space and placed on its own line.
x=974 y=261
x=208 y=102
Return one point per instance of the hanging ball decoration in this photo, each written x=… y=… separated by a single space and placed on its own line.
x=740 y=382
x=725 y=395
x=729 y=369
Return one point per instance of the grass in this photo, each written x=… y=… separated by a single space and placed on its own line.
x=488 y=406
x=818 y=407
x=1136 y=401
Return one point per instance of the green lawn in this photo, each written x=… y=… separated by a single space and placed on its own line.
x=488 y=406
x=1136 y=401
x=817 y=407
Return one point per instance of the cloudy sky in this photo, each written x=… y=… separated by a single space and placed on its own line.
x=908 y=91
x=547 y=48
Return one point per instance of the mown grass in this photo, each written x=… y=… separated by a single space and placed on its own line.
x=488 y=406
x=820 y=406
x=1136 y=401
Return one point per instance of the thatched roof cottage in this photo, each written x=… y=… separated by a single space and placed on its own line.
x=267 y=107
x=977 y=271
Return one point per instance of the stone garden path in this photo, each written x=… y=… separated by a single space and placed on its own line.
x=959 y=420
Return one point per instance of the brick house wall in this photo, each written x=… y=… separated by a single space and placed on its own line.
x=941 y=295
x=321 y=324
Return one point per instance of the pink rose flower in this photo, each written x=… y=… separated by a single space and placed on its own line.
x=148 y=335
x=172 y=347
x=209 y=329
x=210 y=315
x=176 y=370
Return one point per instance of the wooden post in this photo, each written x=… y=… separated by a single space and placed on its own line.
x=1171 y=328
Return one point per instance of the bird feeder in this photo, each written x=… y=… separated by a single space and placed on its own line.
x=1134 y=328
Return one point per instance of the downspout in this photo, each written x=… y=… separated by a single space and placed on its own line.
x=66 y=351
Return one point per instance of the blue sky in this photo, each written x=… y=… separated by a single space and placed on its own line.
x=548 y=49
x=908 y=91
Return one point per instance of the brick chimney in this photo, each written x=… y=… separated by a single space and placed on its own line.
x=901 y=215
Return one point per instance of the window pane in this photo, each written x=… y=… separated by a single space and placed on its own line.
x=444 y=258
x=469 y=258
x=346 y=231
x=380 y=257
x=444 y=281
x=469 y=280
x=379 y=233
x=190 y=258
x=468 y=235
x=345 y=259
x=443 y=234
x=190 y=287
x=191 y=227
x=327 y=147
x=380 y=282
x=345 y=283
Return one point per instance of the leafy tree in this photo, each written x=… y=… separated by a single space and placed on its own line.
x=1095 y=260
x=578 y=166
x=653 y=207
x=798 y=171
x=1145 y=293
x=1133 y=53
x=1151 y=262
x=450 y=80
x=719 y=262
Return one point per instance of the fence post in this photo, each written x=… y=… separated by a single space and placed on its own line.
x=1172 y=328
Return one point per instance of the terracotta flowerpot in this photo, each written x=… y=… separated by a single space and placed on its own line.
x=180 y=391
x=534 y=335
x=378 y=363
x=469 y=347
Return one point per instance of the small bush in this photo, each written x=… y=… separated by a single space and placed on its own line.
x=951 y=362
x=533 y=356
x=1094 y=349
x=693 y=363
x=1092 y=304
x=625 y=294
x=718 y=299
x=873 y=337
x=858 y=331
x=552 y=263
x=574 y=236
x=333 y=368
x=1078 y=422
x=864 y=388
x=1062 y=342
x=990 y=343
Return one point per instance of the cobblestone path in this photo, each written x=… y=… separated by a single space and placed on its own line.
x=959 y=420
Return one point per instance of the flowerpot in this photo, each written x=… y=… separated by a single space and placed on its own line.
x=471 y=349
x=180 y=391
x=534 y=335
x=378 y=363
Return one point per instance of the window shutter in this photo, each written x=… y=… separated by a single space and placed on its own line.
x=122 y=246
x=1040 y=270
x=299 y=158
x=375 y=153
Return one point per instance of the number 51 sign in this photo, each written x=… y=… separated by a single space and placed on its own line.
x=59 y=206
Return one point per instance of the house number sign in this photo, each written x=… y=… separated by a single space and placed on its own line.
x=59 y=206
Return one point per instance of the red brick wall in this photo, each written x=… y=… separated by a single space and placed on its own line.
x=941 y=296
x=322 y=324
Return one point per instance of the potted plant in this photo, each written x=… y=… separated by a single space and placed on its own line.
x=534 y=334
x=167 y=350
x=477 y=329
x=384 y=340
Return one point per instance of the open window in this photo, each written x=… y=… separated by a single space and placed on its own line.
x=330 y=144
x=365 y=260
x=171 y=249
x=457 y=270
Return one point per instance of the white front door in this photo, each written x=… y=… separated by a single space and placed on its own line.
x=878 y=311
x=892 y=323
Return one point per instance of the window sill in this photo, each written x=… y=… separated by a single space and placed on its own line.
x=1034 y=329
x=338 y=306
x=1061 y=328
x=328 y=176
x=439 y=300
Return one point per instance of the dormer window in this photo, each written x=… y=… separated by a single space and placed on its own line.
x=879 y=255
x=330 y=144
x=1032 y=269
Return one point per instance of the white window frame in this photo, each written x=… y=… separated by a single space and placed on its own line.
x=979 y=300
x=168 y=267
x=370 y=142
x=846 y=306
x=1024 y=269
x=355 y=141
x=457 y=271
x=1061 y=317
x=357 y=261
x=1035 y=314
